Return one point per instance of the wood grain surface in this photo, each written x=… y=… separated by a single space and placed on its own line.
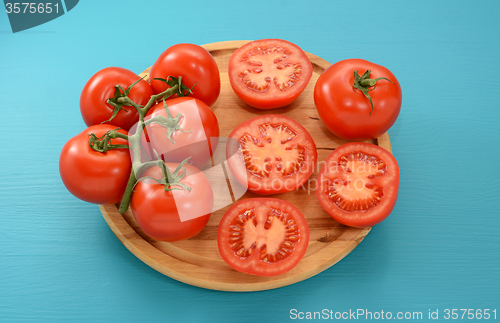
x=197 y=261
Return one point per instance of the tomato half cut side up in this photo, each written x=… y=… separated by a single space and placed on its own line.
x=269 y=73
x=358 y=185
x=263 y=236
x=275 y=154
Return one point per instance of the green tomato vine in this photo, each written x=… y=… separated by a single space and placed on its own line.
x=103 y=144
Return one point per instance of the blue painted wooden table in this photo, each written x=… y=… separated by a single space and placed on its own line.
x=438 y=251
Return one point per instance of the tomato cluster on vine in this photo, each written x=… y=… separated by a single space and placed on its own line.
x=139 y=131
x=148 y=137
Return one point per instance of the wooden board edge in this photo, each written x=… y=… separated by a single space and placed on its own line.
x=154 y=257
x=223 y=45
x=384 y=142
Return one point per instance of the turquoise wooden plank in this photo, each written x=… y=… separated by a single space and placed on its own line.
x=439 y=249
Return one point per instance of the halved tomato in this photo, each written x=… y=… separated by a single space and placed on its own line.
x=276 y=154
x=358 y=185
x=263 y=236
x=269 y=73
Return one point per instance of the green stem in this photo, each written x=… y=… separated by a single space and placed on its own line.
x=135 y=143
x=132 y=181
x=127 y=195
x=126 y=101
x=103 y=144
x=364 y=84
x=115 y=134
x=163 y=95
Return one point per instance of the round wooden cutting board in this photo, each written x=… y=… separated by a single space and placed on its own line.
x=197 y=261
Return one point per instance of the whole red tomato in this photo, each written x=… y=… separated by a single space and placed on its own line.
x=93 y=176
x=101 y=86
x=194 y=64
x=176 y=214
x=346 y=111
x=196 y=131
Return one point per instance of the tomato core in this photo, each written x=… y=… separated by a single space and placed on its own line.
x=276 y=154
x=273 y=234
x=355 y=189
x=273 y=150
x=262 y=60
x=263 y=236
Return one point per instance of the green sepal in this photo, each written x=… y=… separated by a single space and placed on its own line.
x=170 y=123
x=103 y=144
x=364 y=84
x=171 y=81
x=170 y=179
x=121 y=99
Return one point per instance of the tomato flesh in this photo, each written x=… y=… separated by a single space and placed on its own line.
x=264 y=237
x=358 y=185
x=358 y=195
x=269 y=73
x=277 y=152
x=260 y=156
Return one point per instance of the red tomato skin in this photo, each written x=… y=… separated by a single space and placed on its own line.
x=157 y=211
x=252 y=265
x=186 y=144
x=272 y=99
x=196 y=66
x=101 y=86
x=91 y=176
x=361 y=219
x=266 y=187
x=275 y=99
x=345 y=111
